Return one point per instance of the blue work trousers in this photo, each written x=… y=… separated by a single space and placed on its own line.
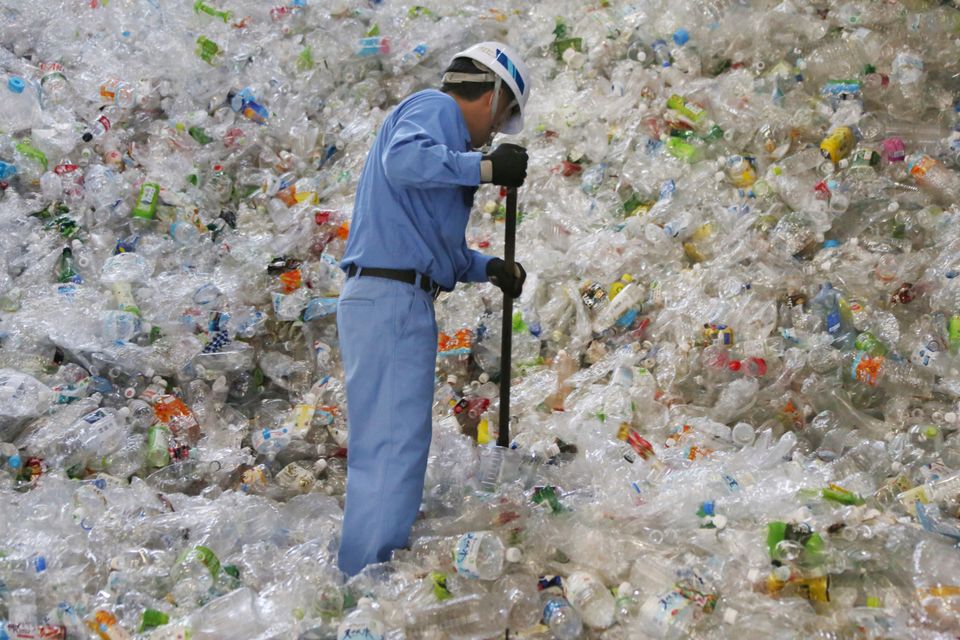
x=388 y=341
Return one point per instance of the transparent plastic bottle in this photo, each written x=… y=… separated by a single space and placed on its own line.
x=562 y=619
x=20 y=107
x=95 y=435
x=479 y=555
x=194 y=575
x=235 y=614
x=830 y=305
x=587 y=593
x=934 y=178
x=844 y=57
x=471 y=616
x=935 y=491
x=363 y=623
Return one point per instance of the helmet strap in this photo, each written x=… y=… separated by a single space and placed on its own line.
x=496 y=98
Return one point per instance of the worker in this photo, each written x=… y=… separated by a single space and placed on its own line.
x=407 y=244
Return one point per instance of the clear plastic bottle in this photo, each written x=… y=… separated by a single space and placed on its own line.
x=562 y=619
x=20 y=108
x=830 y=305
x=470 y=616
x=363 y=623
x=587 y=593
x=844 y=57
x=934 y=178
x=886 y=372
x=95 y=435
x=938 y=490
x=54 y=87
x=522 y=600
x=479 y=555
x=194 y=575
x=232 y=615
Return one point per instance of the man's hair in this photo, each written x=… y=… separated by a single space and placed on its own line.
x=471 y=90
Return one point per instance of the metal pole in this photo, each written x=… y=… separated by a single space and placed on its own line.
x=506 y=339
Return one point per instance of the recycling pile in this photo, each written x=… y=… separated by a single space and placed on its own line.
x=736 y=371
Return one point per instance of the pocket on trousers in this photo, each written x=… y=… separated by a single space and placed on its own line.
x=356 y=302
x=406 y=301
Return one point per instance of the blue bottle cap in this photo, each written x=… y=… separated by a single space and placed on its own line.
x=831 y=244
x=681 y=36
x=16 y=84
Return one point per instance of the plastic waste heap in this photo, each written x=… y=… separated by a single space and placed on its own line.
x=735 y=360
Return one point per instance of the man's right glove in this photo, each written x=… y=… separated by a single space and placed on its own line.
x=505 y=166
x=510 y=282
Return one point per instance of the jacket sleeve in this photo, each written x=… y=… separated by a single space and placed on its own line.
x=417 y=154
x=476 y=266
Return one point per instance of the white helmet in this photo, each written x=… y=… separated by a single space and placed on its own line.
x=507 y=67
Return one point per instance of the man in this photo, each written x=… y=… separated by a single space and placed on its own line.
x=407 y=244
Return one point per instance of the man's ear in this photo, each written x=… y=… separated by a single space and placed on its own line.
x=488 y=99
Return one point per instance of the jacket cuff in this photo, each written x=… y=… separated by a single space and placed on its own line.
x=486 y=171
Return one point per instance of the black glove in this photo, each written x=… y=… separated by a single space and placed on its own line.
x=509 y=283
x=509 y=165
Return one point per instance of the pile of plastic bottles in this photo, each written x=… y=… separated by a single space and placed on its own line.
x=736 y=371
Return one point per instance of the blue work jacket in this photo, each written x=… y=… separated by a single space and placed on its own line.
x=415 y=193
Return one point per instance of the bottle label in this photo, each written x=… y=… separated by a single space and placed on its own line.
x=361 y=631
x=921 y=165
x=206 y=557
x=147 y=202
x=301 y=418
x=31 y=631
x=296 y=478
x=271 y=440
x=866 y=369
x=833 y=322
x=466 y=555
x=158 y=443
x=95 y=416
x=928 y=353
x=665 y=610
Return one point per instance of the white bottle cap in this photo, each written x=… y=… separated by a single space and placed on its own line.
x=514 y=555
x=730 y=616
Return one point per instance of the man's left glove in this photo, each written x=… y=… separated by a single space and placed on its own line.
x=509 y=283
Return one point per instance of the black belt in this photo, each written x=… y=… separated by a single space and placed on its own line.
x=403 y=275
